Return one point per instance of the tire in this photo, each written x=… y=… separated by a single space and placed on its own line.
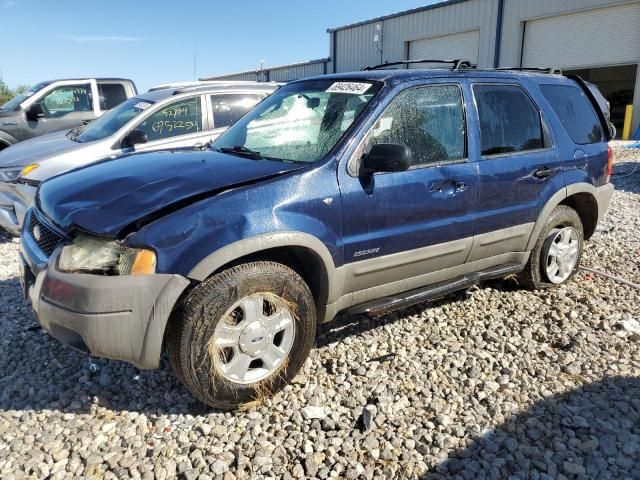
x=537 y=273
x=224 y=341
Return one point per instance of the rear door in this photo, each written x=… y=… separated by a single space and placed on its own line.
x=227 y=108
x=519 y=166
x=399 y=226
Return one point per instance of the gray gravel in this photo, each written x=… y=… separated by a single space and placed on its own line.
x=495 y=382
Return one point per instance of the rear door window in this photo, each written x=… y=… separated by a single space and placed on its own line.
x=229 y=108
x=111 y=95
x=178 y=118
x=509 y=121
x=575 y=112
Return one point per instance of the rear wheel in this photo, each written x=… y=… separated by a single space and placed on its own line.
x=242 y=334
x=556 y=256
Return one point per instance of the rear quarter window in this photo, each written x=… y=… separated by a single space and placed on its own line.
x=575 y=112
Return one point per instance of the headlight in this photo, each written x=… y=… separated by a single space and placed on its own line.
x=28 y=169
x=8 y=174
x=107 y=257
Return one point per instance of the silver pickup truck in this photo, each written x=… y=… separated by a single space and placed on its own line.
x=58 y=105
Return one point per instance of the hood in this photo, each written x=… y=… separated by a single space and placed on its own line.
x=8 y=114
x=37 y=149
x=105 y=198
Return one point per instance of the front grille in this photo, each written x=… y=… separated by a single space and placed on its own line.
x=27 y=181
x=46 y=239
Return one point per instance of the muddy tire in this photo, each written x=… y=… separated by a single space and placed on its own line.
x=556 y=255
x=242 y=334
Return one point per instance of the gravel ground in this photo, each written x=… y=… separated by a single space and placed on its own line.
x=495 y=382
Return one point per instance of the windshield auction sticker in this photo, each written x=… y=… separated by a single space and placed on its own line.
x=349 y=87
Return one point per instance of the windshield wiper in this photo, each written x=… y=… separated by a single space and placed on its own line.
x=238 y=150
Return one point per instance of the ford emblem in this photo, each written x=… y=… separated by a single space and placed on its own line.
x=37 y=233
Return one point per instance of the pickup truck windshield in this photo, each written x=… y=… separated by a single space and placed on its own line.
x=112 y=121
x=18 y=99
x=300 y=122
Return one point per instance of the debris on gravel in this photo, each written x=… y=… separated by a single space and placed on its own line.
x=494 y=382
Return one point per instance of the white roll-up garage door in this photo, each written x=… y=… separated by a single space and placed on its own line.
x=446 y=47
x=601 y=37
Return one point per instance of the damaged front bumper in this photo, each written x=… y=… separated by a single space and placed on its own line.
x=15 y=200
x=118 y=317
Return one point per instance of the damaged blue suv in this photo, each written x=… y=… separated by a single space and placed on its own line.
x=363 y=192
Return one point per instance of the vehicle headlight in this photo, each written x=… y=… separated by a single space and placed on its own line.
x=28 y=169
x=8 y=174
x=107 y=257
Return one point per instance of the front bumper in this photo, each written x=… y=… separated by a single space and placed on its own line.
x=15 y=200
x=119 y=317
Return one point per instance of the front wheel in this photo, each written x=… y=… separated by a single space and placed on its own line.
x=556 y=256
x=242 y=334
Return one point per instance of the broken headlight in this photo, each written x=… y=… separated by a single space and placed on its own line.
x=107 y=257
x=8 y=174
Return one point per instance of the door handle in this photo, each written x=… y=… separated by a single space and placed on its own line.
x=449 y=187
x=461 y=186
x=543 y=172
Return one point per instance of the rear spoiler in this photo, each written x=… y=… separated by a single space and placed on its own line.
x=599 y=105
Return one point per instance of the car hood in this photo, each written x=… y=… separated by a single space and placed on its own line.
x=107 y=197
x=37 y=149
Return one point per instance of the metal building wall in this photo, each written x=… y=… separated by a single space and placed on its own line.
x=282 y=73
x=516 y=12
x=355 y=47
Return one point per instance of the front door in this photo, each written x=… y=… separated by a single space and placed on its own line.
x=399 y=226
x=65 y=107
x=178 y=124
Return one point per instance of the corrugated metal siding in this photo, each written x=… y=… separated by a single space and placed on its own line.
x=516 y=12
x=609 y=36
x=286 y=74
x=282 y=73
x=452 y=46
x=356 y=48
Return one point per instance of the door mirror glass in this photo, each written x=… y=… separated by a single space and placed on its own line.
x=134 y=137
x=386 y=157
x=35 y=111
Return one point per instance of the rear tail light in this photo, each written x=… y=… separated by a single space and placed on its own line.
x=609 y=163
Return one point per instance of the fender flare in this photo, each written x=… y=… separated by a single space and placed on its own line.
x=558 y=198
x=7 y=139
x=259 y=243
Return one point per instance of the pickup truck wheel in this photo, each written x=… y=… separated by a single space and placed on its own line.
x=555 y=258
x=243 y=334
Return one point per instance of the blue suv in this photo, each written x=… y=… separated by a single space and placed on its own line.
x=362 y=192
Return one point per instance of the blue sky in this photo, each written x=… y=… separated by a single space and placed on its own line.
x=153 y=42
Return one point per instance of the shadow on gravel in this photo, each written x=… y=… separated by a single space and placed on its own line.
x=5 y=237
x=590 y=432
x=626 y=176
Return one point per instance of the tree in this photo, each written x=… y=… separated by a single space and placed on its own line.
x=7 y=94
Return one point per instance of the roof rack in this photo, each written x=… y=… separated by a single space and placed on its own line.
x=455 y=64
x=548 y=70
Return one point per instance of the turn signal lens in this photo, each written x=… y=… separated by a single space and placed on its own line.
x=144 y=264
x=609 y=164
x=28 y=169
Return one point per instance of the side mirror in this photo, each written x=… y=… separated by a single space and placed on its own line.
x=35 y=111
x=386 y=157
x=134 y=137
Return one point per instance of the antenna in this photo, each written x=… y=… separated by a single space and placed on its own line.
x=195 y=60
